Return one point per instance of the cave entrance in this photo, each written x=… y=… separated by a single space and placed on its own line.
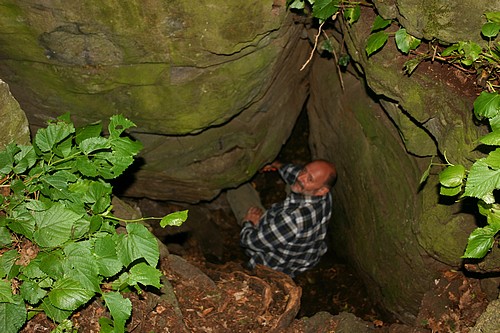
x=331 y=286
x=210 y=237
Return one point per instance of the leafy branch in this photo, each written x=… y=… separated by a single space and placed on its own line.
x=58 y=241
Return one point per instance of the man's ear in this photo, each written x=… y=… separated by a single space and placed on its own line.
x=322 y=191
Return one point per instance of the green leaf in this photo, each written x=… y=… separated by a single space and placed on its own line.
x=69 y=294
x=80 y=265
x=90 y=145
x=326 y=45
x=6 y=295
x=98 y=193
x=54 y=313
x=375 y=42
x=31 y=292
x=490 y=29
x=325 y=9
x=492 y=138
x=117 y=125
x=37 y=205
x=174 y=219
x=86 y=167
x=480 y=242
x=450 y=191
x=22 y=222
x=449 y=50
x=7 y=260
x=7 y=158
x=120 y=309
x=493 y=16
x=47 y=138
x=51 y=263
x=406 y=42
x=452 y=176
x=344 y=60
x=54 y=226
x=24 y=159
x=145 y=275
x=60 y=179
x=126 y=146
x=106 y=325
x=32 y=270
x=493 y=159
x=495 y=123
x=410 y=65
x=12 y=315
x=352 y=13
x=487 y=105
x=295 y=4
x=482 y=180
x=138 y=243
x=494 y=220
x=64 y=148
x=106 y=257
x=380 y=23
x=5 y=237
x=89 y=131
x=470 y=52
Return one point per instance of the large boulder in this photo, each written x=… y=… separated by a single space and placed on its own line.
x=201 y=82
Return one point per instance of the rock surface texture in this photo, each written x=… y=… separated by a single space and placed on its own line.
x=215 y=89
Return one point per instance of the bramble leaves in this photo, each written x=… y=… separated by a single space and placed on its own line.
x=136 y=244
x=120 y=309
x=12 y=314
x=60 y=204
x=482 y=180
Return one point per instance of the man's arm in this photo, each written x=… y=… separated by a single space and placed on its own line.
x=270 y=233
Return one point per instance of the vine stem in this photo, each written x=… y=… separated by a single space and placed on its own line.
x=129 y=221
x=315 y=46
x=336 y=64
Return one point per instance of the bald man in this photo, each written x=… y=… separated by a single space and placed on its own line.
x=291 y=235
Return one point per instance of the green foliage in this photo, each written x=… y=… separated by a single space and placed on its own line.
x=404 y=41
x=59 y=241
x=481 y=181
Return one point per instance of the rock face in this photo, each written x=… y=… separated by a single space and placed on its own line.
x=201 y=82
x=215 y=90
x=397 y=233
x=14 y=122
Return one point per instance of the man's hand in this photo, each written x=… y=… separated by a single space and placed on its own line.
x=253 y=215
x=272 y=167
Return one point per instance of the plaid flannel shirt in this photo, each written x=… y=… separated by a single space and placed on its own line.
x=291 y=234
